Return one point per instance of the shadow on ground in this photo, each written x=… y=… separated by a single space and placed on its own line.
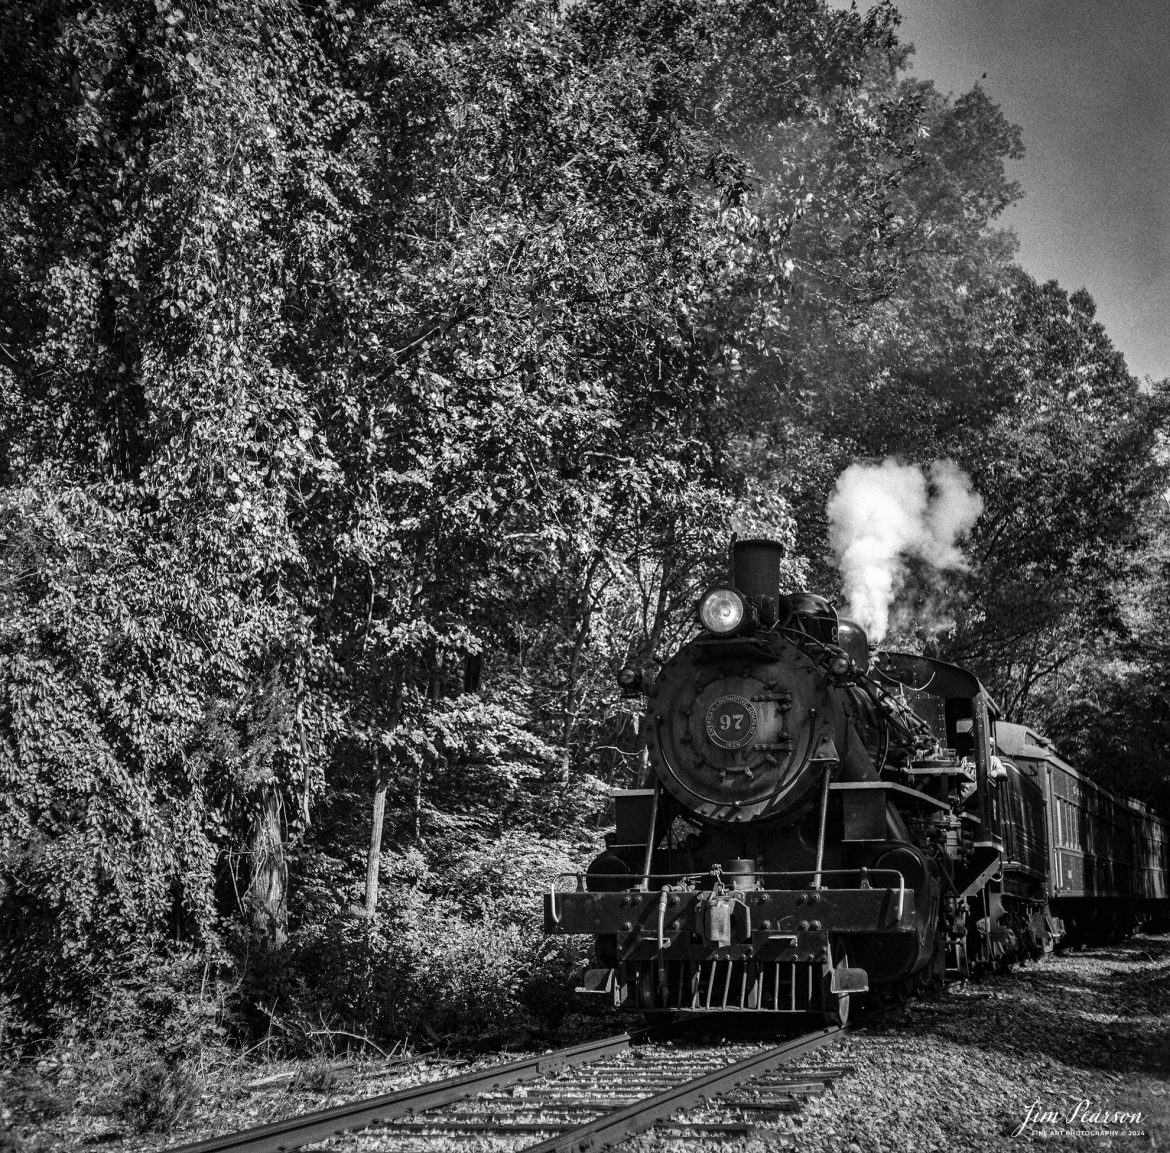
x=1105 y=1010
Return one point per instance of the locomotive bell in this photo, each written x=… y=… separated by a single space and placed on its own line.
x=815 y=616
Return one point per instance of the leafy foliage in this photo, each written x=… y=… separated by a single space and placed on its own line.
x=376 y=380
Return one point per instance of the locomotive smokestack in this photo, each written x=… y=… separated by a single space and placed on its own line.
x=755 y=569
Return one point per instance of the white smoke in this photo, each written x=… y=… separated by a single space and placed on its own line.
x=881 y=515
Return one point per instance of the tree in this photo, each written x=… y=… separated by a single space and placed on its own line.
x=160 y=202
x=334 y=340
x=1065 y=469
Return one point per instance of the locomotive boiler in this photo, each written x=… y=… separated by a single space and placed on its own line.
x=816 y=821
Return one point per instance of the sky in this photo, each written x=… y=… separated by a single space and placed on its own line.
x=1088 y=82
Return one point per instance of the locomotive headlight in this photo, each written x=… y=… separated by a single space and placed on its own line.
x=721 y=610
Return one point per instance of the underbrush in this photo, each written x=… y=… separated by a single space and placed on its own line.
x=454 y=959
x=138 y=1093
x=155 y=1097
x=136 y=1051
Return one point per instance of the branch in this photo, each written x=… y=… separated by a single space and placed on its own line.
x=344 y=1033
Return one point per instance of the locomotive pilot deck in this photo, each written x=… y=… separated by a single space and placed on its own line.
x=761 y=949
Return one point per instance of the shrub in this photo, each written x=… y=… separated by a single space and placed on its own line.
x=34 y=1098
x=555 y=968
x=176 y=1006
x=11 y=1142
x=455 y=952
x=157 y=1096
x=318 y=1076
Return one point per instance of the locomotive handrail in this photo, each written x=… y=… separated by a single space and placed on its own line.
x=552 y=892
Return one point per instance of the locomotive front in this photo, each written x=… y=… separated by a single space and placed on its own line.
x=768 y=863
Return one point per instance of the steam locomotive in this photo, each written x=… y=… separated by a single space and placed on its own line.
x=820 y=822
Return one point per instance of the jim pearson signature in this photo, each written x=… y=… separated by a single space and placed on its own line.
x=1082 y=1115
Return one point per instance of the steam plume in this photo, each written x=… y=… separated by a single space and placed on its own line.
x=881 y=515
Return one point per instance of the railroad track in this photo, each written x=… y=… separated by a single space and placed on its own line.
x=583 y=1098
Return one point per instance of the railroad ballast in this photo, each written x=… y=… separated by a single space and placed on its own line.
x=819 y=821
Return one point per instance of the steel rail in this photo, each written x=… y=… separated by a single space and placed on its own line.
x=616 y=1126
x=294 y=1132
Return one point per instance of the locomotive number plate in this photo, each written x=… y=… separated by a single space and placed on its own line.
x=731 y=722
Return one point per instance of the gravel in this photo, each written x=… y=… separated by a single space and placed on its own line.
x=956 y=1072
x=960 y=1071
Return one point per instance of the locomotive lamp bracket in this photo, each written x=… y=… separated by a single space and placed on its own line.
x=631 y=682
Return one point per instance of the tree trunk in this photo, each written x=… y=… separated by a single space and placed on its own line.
x=266 y=900
x=418 y=775
x=572 y=705
x=375 y=857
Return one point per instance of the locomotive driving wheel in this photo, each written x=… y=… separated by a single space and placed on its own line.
x=835 y=1005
